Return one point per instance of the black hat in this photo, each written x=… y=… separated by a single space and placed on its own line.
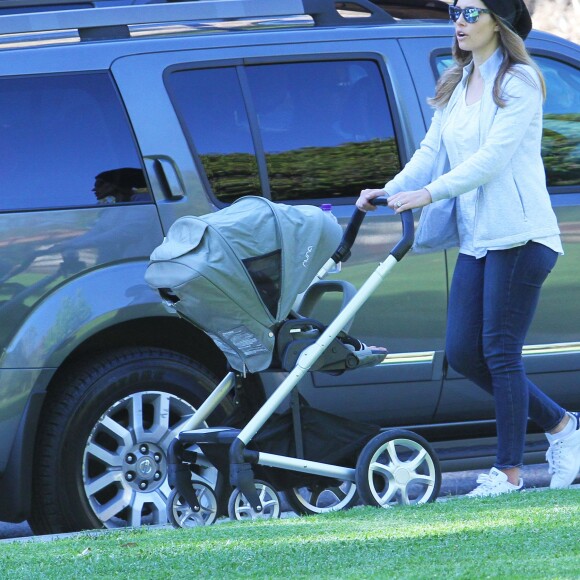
x=512 y=12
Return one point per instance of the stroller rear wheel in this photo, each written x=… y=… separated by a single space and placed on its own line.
x=397 y=467
x=239 y=507
x=320 y=499
x=181 y=515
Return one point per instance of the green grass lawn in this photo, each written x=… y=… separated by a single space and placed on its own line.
x=526 y=535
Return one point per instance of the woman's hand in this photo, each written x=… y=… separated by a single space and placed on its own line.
x=363 y=202
x=405 y=200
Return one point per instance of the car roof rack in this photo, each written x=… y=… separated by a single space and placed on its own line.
x=32 y=15
x=416 y=9
x=29 y=23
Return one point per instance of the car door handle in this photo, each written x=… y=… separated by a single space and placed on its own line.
x=167 y=177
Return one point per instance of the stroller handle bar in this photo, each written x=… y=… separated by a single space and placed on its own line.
x=342 y=254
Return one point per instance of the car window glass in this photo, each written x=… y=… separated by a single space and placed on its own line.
x=442 y=63
x=561 y=135
x=325 y=127
x=65 y=142
x=561 y=140
x=210 y=105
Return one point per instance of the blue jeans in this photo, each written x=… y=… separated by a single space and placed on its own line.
x=491 y=306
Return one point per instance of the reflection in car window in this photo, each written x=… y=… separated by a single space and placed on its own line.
x=325 y=127
x=442 y=63
x=213 y=115
x=57 y=135
x=561 y=140
x=561 y=137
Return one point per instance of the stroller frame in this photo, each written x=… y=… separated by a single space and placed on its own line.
x=242 y=459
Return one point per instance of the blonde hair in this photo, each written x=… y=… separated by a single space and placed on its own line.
x=514 y=53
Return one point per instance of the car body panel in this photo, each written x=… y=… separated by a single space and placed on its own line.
x=67 y=275
x=404 y=329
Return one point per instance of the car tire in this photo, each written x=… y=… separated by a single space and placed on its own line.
x=100 y=456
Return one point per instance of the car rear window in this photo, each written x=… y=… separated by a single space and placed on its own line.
x=66 y=142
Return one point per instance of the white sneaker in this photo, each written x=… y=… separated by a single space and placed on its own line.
x=564 y=457
x=494 y=483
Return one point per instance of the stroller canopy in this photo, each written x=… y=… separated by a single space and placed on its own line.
x=236 y=273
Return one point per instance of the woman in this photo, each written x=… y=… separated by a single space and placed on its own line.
x=480 y=176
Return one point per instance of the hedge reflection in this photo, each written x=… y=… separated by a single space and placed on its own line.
x=307 y=173
x=343 y=170
x=561 y=149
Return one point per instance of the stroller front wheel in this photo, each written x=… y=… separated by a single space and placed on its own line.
x=397 y=467
x=239 y=507
x=180 y=513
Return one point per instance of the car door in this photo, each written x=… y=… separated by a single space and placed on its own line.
x=305 y=124
x=552 y=350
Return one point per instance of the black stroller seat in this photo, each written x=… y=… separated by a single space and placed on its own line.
x=343 y=353
x=300 y=331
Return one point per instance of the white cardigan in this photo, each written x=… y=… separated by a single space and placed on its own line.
x=513 y=205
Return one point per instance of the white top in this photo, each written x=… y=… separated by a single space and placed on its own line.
x=461 y=137
x=513 y=204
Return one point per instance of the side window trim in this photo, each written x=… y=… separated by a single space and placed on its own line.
x=255 y=132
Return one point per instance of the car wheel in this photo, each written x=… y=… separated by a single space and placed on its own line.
x=100 y=458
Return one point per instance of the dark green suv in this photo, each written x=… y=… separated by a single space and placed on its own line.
x=117 y=119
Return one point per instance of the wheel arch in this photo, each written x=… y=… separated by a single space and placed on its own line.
x=167 y=332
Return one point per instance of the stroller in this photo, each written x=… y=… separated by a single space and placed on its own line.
x=249 y=276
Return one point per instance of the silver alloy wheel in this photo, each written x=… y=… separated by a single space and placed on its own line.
x=319 y=500
x=125 y=459
x=401 y=471
x=181 y=515
x=239 y=507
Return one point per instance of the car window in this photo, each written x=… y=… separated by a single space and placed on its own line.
x=561 y=140
x=561 y=136
x=66 y=142
x=213 y=115
x=325 y=127
x=442 y=63
x=319 y=129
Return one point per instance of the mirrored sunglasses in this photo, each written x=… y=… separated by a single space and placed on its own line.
x=471 y=15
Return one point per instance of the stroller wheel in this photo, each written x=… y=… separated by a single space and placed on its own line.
x=181 y=515
x=397 y=467
x=319 y=499
x=239 y=507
